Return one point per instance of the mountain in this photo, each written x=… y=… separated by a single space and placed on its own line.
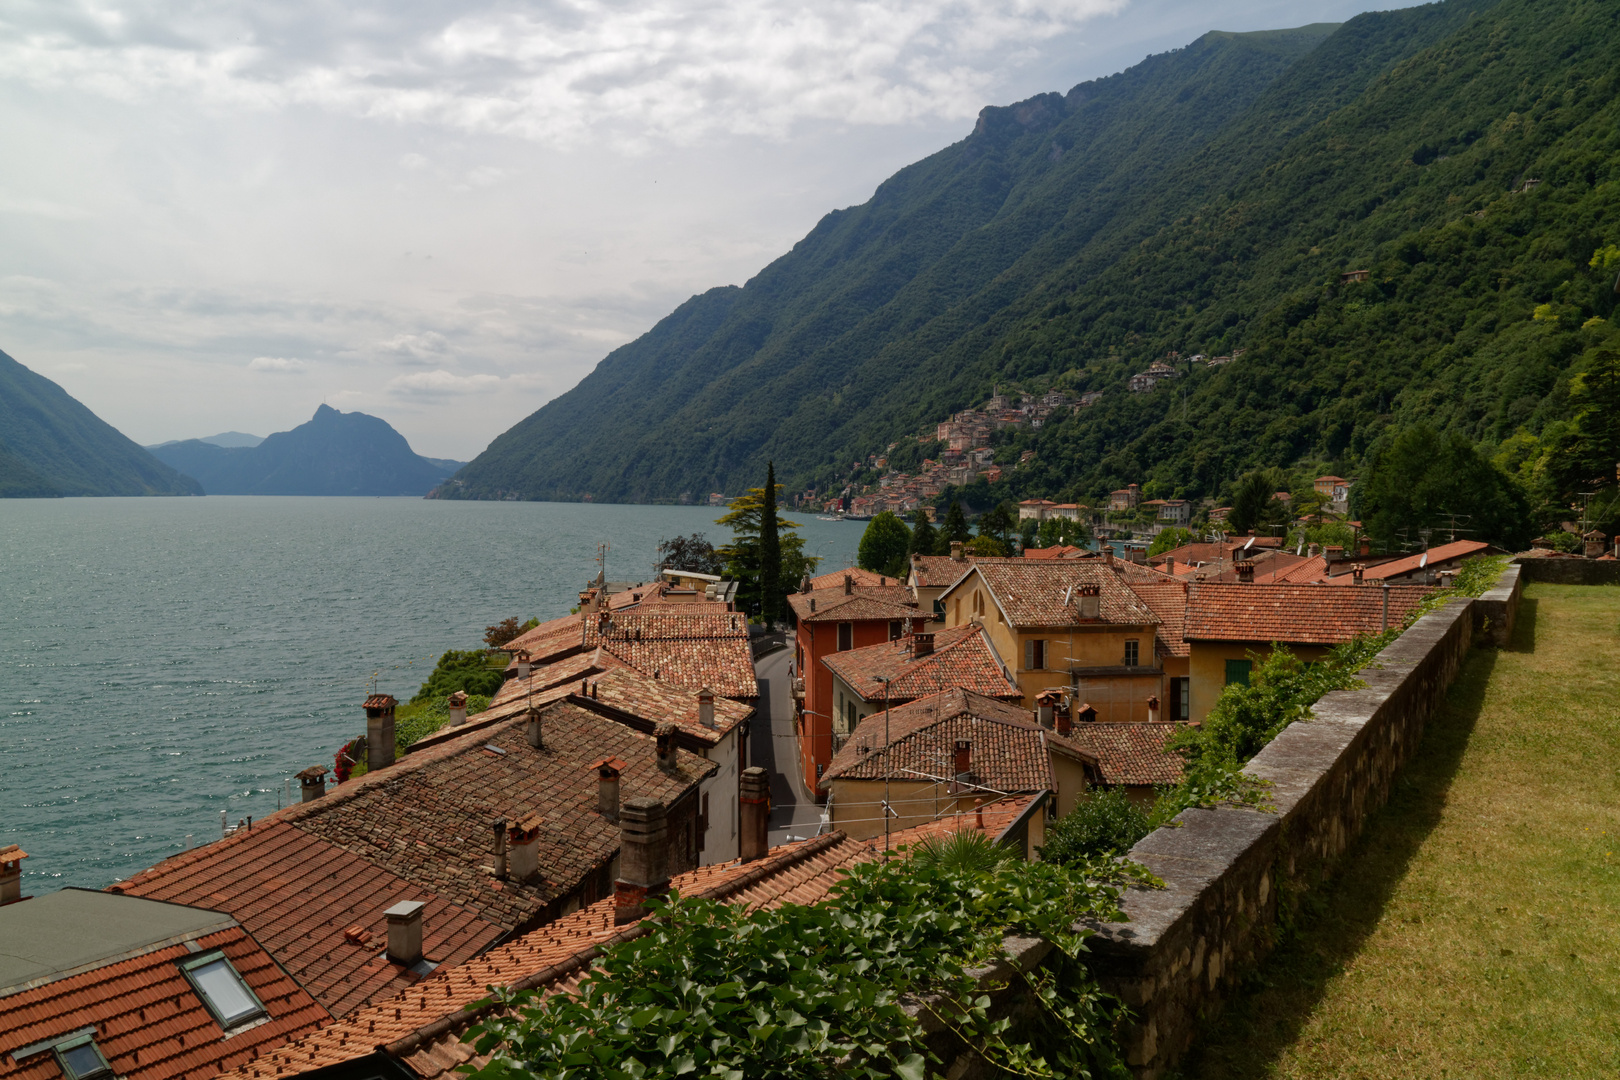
x=224 y=438
x=1208 y=200
x=51 y=445
x=335 y=453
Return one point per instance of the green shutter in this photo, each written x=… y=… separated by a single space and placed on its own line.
x=1237 y=671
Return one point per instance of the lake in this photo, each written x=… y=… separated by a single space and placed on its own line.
x=163 y=660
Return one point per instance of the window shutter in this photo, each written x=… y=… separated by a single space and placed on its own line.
x=1029 y=655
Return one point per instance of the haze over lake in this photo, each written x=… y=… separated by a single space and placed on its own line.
x=166 y=659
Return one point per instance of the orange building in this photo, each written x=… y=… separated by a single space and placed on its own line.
x=834 y=620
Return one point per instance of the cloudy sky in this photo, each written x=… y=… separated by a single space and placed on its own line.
x=217 y=214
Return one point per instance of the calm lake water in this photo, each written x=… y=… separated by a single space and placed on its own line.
x=162 y=660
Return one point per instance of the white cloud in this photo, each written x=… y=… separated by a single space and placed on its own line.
x=430 y=346
x=278 y=363
x=441 y=382
x=413 y=162
x=556 y=72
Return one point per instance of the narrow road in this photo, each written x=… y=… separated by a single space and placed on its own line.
x=794 y=813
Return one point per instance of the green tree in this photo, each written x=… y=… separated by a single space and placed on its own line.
x=1594 y=452
x=770 y=553
x=1061 y=532
x=693 y=553
x=884 y=544
x=1168 y=540
x=924 y=538
x=985 y=547
x=742 y=556
x=1255 y=503
x=999 y=524
x=1421 y=480
x=953 y=528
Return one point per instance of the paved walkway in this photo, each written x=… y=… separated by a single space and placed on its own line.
x=794 y=812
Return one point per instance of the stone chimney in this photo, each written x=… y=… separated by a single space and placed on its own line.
x=1108 y=554
x=1334 y=553
x=956 y=551
x=754 y=799
x=1313 y=551
x=523 y=848
x=523 y=666
x=1153 y=710
x=458 y=708
x=499 y=827
x=643 y=858
x=379 y=731
x=1170 y=565
x=1356 y=571
x=312 y=782
x=664 y=740
x=405 y=932
x=11 y=857
x=534 y=728
x=962 y=760
x=1090 y=600
x=922 y=645
x=849 y=585
x=1245 y=572
x=607 y=787
x=1594 y=544
x=706 y=708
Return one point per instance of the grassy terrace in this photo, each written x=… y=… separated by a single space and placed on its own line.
x=1474 y=931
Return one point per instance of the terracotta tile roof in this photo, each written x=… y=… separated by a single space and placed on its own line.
x=655 y=700
x=693 y=651
x=962 y=656
x=1293 y=614
x=1459 y=549
x=149 y=1022
x=1010 y=752
x=834 y=579
x=831 y=605
x=992 y=819
x=422 y=1027
x=1041 y=594
x=531 y=638
x=933 y=571
x=543 y=677
x=421 y=830
x=1060 y=551
x=1312 y=568
x=1131 y=754
x=1168 y=600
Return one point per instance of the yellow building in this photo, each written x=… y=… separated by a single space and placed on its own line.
x=1066 y=624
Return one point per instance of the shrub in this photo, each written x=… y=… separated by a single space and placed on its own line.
x=468 y=671
x=1105 y=823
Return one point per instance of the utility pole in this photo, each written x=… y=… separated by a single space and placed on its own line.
x=887 y=764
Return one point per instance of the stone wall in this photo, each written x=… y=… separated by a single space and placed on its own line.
x=1227 y=871
x=1572 y=571
x=1496 y=610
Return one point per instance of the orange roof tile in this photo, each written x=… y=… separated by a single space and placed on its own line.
x=1132 y=754
x=832 y=605
x=1038 y=594
x=1293 y=614
x=149 y=1022
x=1168 y=600
x=1435 y=556
x=834 y=579
x=938 y=570
x=962 y=656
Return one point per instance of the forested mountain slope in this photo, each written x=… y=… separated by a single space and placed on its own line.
x=1203 y=201
x=51 y=445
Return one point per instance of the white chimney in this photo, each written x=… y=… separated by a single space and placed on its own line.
x=380 y=731
x=1090 y=601
x=607 y=787
x=706 y=708
x=523 y=849
x=523 y=663
x=405 y=932
x=458 y=708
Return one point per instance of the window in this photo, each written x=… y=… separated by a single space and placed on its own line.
x=849 y=716
x=1034 y=655
x=1237 y=671
x=1180 y=703
x=895 y=629
x=846 y=636
x=222 y=989
x=939 y=608
x=1132 y=653
x=81 y=1058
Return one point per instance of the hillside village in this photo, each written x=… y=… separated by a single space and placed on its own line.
x=636 y=748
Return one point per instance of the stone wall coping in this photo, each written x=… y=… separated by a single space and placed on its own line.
x=1504 y=585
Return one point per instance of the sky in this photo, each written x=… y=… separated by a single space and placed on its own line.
x=219 y=214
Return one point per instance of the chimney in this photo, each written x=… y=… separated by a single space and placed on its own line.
x=499 y=827
x=706 y=708
x=1090 y=601
x=523 y=848
x=405 y=932
x=1334 y=553
x=379 y=731
x=533 y=728
x=849 y=585
x=812 y=605
x=1063 y=721
x=458 y=708
x=1085 y=714
x=922 y=645
x=1108 y=554
x=754 y=798
x=1366 y=547
x=312 y=782
x=523 y=667
x=1170 y=565
x=1153 y=710
x=664 y=738
x=1245 y=572
x=956 y=551
x=962 y=764
x=607 y=787
x=1356 y=571
x=1045 y=711
x=1314 y=550
x=11 y=857
x=1594 y=544
x=643 y=858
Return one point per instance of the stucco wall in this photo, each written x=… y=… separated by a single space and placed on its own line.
x=1207 y=668
x=1224 y=869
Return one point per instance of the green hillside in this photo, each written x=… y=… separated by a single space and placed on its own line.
x=51 y=445
x=1207 y=200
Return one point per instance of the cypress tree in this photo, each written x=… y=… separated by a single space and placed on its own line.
x=954 y=527
x=770 y=554
x=923 y=537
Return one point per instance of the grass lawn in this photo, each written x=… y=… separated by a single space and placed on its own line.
x=1474 y=931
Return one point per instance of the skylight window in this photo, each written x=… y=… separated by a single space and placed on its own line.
x=222 y=989
x=81 y=1059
